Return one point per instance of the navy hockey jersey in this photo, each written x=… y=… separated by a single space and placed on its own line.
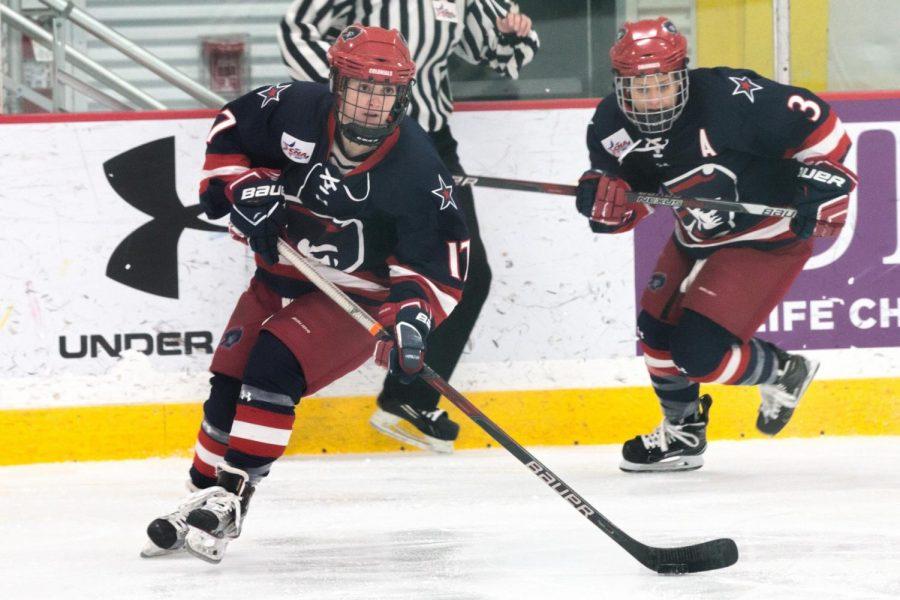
x=741 y=137
x=387 y=231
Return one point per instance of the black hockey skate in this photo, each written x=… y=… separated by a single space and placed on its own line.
x=429 y=430
x=220 y=519
x=669 y=447
x=167 y=533
x=780 y=399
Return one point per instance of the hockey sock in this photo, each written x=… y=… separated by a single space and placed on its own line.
x=752 y=363
x=272 y=385
x=212 y=439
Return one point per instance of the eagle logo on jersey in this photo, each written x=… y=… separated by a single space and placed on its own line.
x=332 y=242
x=445 y=193
x=272 y=93
x=706 y=181
x=743 y=85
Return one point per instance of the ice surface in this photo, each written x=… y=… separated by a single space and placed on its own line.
x=813 y=518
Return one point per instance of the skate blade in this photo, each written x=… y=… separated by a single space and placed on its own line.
x=151 y=550
x=679 y=463
x=205 y=546
x=399 y=429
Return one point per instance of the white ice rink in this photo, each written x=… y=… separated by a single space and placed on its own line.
x=812 y=519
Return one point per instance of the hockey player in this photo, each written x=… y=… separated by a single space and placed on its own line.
x=340 y=175
x=488 y=32
x=715 y=133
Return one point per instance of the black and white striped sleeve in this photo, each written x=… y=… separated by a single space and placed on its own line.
x=483 y=43
x=307 y=31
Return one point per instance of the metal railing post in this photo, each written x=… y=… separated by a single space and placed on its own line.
x=60 y=41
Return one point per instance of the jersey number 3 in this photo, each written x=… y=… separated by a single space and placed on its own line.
x=796 y=102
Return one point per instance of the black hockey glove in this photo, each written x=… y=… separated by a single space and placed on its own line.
x=258 y=211
x=404 y=355
x=822 y=197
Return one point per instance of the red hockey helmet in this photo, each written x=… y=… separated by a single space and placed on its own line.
x=649 y=60
x=371 y=75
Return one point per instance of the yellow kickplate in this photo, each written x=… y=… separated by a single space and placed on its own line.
x=339 y=425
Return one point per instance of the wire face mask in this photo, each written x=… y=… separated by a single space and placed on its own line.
x=368 y=112
x=653 y=102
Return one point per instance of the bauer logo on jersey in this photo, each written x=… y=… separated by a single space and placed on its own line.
x=297 y=150
x=618 y=143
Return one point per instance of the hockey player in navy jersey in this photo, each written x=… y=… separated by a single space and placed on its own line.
x=339 y=174
x=714 y=133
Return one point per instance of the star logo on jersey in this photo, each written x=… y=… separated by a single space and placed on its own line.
x=445 y=193
x=272 y=93
x=743 y=85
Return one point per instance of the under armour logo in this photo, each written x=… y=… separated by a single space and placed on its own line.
x=147 y=259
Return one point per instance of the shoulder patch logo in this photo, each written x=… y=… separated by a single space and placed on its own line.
x=618 y=143
x=297 y=150
x=743 y=85
x=232 y=337
x=272 y=93
x=657 y=280
x=445 y=193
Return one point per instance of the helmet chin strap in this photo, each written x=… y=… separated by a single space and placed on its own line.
x=366 y=136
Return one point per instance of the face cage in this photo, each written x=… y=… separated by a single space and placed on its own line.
x=371 y=130
x=655 y=120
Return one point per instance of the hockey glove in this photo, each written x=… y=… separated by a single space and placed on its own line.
x=601 y=198
x=404 y=355
x=258 y=210
x=822 y=197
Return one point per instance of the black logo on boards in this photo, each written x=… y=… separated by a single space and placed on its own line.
x=147 y=259
x=164 y=343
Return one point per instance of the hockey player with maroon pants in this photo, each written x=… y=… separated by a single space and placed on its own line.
x=340 y=175
x=714 y=133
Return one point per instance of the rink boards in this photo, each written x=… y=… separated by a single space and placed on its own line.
x=107 y=318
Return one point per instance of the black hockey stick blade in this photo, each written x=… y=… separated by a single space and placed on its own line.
x=706 y=556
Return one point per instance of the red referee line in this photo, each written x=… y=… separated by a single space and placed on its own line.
x=554 y=104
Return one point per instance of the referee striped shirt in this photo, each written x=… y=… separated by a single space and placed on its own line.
x=433 y=29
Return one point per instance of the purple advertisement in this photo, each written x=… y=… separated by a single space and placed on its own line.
x=849 y=292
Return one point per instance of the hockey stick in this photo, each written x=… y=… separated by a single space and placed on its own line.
x=714 y=554
x=642 y=197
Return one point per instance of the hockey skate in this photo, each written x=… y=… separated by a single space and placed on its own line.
x=220 y=518
x=780 y=399
x=430 y=430
x=671 y=446
x=167 y=533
